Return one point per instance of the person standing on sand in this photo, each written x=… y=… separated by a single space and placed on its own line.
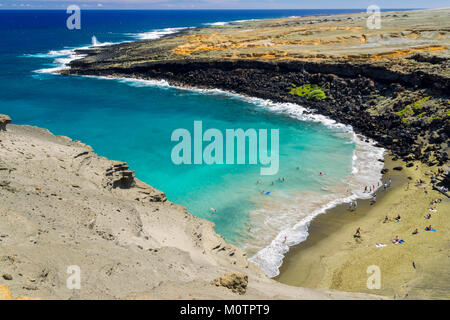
x=389 y=183
x=355 y=204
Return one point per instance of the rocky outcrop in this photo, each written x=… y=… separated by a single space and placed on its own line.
x=4 y=120
x=118 y=175
x=236 y=282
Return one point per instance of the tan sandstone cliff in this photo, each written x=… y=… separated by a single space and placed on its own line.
x=63 y=205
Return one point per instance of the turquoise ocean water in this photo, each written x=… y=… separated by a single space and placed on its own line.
x=132 y=120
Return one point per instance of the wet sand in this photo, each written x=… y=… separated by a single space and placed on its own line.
x=332 y=258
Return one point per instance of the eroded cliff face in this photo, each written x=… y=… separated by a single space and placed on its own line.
x=391 y=84
x=62 y=205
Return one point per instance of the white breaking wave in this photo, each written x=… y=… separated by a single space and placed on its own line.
x=220 y=23
x=366 y=170
x=155 y=34
x=65 y=56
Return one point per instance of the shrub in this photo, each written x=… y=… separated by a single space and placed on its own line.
x=311 y=91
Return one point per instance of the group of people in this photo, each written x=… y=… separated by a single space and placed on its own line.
x=386 y=184
x=372 y=188
x=281 y=179
x=352 y=205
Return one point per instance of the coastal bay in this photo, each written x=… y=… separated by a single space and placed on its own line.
x=389 y=85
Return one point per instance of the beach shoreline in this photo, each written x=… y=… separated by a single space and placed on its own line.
x=416 y=269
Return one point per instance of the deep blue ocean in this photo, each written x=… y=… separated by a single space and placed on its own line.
x=133 y=121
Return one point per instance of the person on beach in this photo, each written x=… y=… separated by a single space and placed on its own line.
x=357 y=233
x=395 y=240
x=385 y=186
x=350 y=206
x=386 y=219
x=428 y=216
x=355 y=204
x=428 y=228
x=415 y=231
x=284 y=241
x=374 y=199
x=389 y=182
x=398 y=218
x=365 y=189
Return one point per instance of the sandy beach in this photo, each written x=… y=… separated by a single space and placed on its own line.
x=416 y=269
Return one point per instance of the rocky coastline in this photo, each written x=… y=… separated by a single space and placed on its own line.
x=399 y=98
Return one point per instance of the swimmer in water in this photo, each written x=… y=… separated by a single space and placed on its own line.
x=213 y=210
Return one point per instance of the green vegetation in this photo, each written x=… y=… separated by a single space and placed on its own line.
x=433 y=111
x=409 y=109
x=311 y=91
x=406 y=111
x=419 y=103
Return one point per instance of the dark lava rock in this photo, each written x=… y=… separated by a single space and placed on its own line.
x=397 y=168
x=409 y=165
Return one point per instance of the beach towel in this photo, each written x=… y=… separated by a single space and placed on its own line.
x=430 y=230
x=380 y=245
